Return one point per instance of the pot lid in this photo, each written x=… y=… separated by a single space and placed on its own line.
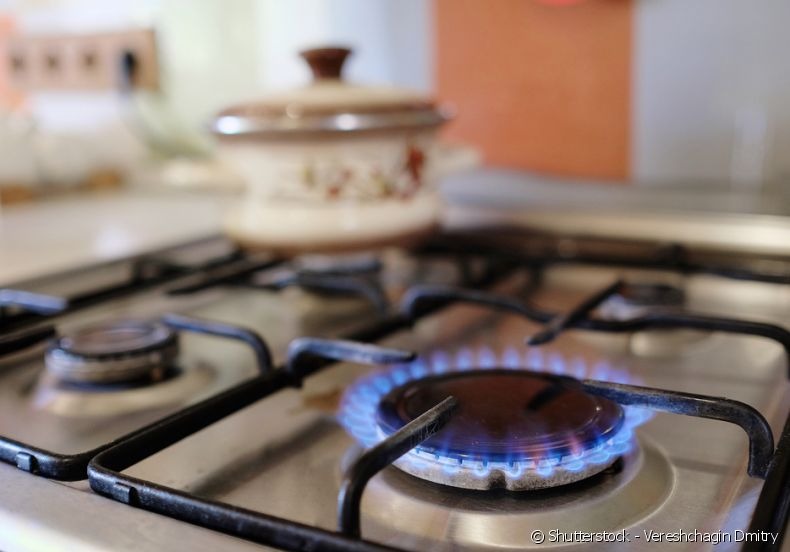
x=329 y=104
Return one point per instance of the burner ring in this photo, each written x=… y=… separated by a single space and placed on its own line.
x=505 y=415
x=121 y=351
x=514 y=429
x=524 y=468
x=635 y=299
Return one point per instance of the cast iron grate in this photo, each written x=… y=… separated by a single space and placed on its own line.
x=225 y=270
x=106 y=477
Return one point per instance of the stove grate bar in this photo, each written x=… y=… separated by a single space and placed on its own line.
x=226 y=274
x=219 y=329
x=366 y=287
x=561 y=322
x=21 y=340
x=772 y=513
x=29 y=301
x=421 y=297
x=761 y=440
x=303 y=350
x=157 y=265
x=382 y=455
x=540 y=250
x=104 y=470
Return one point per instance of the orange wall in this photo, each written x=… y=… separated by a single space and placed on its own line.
x=539 y=86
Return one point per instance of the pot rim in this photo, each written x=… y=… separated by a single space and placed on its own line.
x=343 y=123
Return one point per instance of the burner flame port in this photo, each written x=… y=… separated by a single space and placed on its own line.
x=516 y=428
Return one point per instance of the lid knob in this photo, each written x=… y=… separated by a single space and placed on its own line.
x=326 y=63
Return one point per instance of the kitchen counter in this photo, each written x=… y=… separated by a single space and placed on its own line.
x=64 y=234
x=508 y=188
x=696 y=216
x=67 y=233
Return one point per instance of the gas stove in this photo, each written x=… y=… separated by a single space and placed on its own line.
x=494 y=390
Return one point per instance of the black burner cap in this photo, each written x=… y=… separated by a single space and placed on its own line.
x=116 y=338
x=117 y=351
x=505 y=415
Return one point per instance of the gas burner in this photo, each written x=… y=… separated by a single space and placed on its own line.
x=340 y=265
x=644 y=299
x=536 y=427
x=113 y=353
x=635 y=299
x=516 y=429
x=330 y=276
x=653 y=294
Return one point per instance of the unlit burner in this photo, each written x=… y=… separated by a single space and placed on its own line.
x=636 y=299
x=112 y=353
x=514 y=428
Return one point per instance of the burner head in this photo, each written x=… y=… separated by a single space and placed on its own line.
x=635 y=299
x=516 y=419
x=117 y=352
x=358 y=264
x=504 y=415
x=653 y=295
x=523 y=422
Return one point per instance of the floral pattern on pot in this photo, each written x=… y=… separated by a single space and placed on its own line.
x=335 y=179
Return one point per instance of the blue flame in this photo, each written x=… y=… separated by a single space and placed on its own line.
x=358 y=409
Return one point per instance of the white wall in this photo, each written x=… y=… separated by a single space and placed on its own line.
x=391 y=39
x=208 y=54
x=711 y=91
x=215 y=52
x=212 y=53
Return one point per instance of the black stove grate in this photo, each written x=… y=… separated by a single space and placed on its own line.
x=364 y=285
x=539 y=250
x=106 y=477
x=306 y=356
x=228 y=269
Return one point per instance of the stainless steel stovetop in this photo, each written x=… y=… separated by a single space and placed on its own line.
x=284 y=456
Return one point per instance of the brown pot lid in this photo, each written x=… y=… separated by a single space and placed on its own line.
x=329 y=104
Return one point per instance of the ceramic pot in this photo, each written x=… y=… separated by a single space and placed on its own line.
x=334 y=166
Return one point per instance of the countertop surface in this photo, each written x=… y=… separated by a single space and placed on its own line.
x=60 y=235
x=64 y=234
x=694 y=215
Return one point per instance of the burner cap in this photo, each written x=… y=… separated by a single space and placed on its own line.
x=340 y=265
x=653 y=295
x=634 y=298
x=121 y=351
x=514 y=429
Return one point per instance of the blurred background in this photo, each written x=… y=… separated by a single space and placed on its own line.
x=637 y=92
